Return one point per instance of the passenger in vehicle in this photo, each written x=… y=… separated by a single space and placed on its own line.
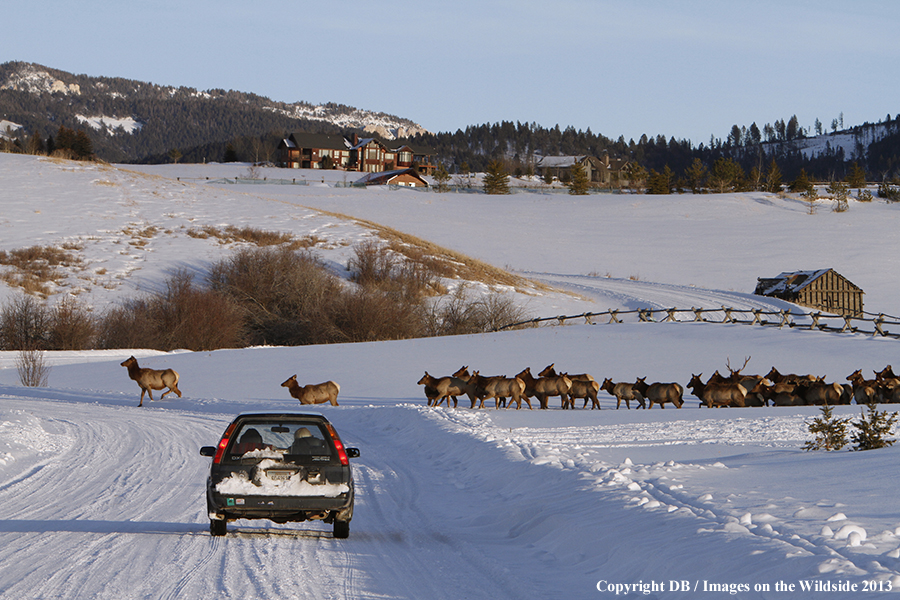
x=305 y=442
x=250 y=440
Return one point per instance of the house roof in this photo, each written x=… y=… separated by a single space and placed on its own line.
x=385 y=177
x=791 y=282
x=554 y=162
x=317 y=140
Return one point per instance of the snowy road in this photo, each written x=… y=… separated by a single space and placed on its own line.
x=130 y=522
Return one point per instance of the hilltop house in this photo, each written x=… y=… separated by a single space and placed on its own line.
x=369 y=155
x=825 y=290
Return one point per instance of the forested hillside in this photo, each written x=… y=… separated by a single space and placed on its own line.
x=121 y=120
x=133 y=121
x=823 y=156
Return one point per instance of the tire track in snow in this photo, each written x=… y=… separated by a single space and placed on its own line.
x=628 y=294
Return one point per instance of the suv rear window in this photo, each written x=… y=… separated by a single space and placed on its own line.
x=295 y=441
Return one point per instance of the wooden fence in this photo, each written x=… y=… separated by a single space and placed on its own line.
x=870 y=323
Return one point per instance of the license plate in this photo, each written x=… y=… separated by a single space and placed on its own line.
x=279 y=475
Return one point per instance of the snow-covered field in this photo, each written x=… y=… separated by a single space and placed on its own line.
x=103 y=499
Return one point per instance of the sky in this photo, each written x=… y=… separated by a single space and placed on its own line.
x=688 y=69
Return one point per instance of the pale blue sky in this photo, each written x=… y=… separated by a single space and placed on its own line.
x=688 y=69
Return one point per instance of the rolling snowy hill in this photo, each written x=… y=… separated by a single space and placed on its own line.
x=103 y=499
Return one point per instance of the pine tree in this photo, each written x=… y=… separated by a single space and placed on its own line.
x=857 y=176
x=579 y=183
x=661 y=183
x=830 y=431
x=727 y=176
x=441 y=177
x=839 y=191
x=872 y=429
x=696 y=175
x=496 y=179
x=802 y=183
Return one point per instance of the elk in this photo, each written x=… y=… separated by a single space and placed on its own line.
x=500 y=388
x=718 y=394
x=152 y=379
x=775 y=377
x=890 y=384
x=583 y=386
x=584 y=389
x=544 y=387
x=885 y=373
x=318 y=393
x=447 y=388
x=864 y=390
x=623 y=391
x=549 y=371
x=660 y=393
x=819 y=393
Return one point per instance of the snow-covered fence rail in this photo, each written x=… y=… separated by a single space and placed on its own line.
x=876 y=324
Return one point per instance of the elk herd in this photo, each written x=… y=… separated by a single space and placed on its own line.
x=718 y=391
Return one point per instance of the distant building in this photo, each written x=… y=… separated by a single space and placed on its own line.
x=600 y=171
x=401 y=177
x=314 y=151
x=369 y=155
x=825 y=290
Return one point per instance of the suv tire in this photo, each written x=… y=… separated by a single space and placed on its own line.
x=218 y=528
x=341 y=529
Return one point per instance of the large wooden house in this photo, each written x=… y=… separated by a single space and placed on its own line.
x=368 y=155
x=825 y=290
x=314 y=151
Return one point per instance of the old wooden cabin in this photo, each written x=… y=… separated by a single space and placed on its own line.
x=825 y=290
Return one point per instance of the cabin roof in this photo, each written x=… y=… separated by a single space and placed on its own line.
x=384 y=177
x=792 y=282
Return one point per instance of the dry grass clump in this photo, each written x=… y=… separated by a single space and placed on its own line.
x=253 y=235
x=34 y=268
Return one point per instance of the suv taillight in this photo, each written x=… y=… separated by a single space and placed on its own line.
x=338 y=445
x=220 y=449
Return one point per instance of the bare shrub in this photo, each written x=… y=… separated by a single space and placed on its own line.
x=406 y=272
x=372 y=264
x=285 y=294
x=72 y=327
x=128 y=325
x=24 y=324
x=460 y=314
x=370 y=314
x=496 y=310
x=184 y=316
x=33 y=371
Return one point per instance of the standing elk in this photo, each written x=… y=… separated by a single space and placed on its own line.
x=865 y=390
x=447 y=388
x=660 y=393
x=583 y=386
x=717 y=394
x=623 y=391
x=500 y=388
x=543 y=388
x=152 y=379
x=318 y=393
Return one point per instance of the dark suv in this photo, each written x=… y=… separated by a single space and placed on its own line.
x=286 y=466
